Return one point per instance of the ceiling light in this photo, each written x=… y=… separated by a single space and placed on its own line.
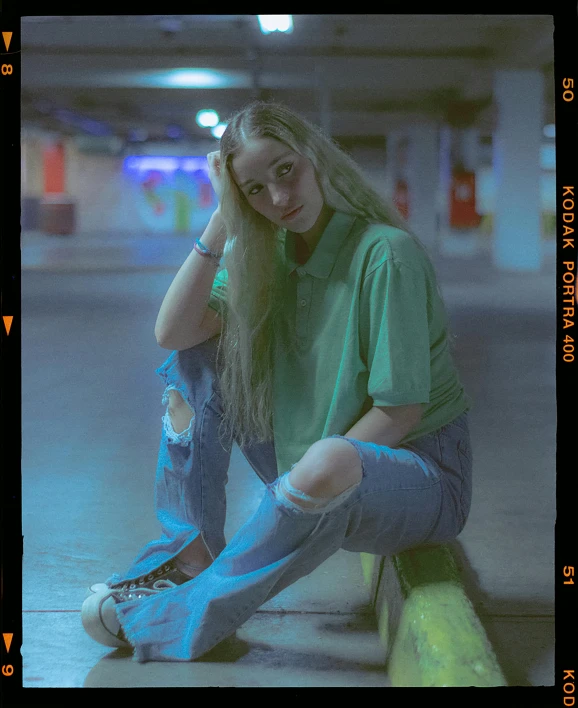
x=175 y=78
x=275 y=23
x=207 y=118
x=198 y=78
x=218 y=130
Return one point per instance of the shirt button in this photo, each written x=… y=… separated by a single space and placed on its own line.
x=302 y=303
x=301 y=271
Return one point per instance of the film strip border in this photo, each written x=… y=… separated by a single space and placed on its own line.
x=566 y=559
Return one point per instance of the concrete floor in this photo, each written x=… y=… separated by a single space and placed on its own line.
x=91 y=409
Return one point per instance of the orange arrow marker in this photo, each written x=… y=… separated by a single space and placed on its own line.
x=7 y=640
x=7 y=322
x=7 y=37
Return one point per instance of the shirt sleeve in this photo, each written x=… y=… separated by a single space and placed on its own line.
x=218 y=296
x=395 y=341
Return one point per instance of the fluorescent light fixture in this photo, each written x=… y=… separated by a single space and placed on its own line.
x=184 y=77
x=550 y=130
x=218 y=130
x=193 y=78
x=200 y=78
x=275 y=23
x=207 y=118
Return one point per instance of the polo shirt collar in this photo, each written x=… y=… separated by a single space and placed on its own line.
x=321 y=262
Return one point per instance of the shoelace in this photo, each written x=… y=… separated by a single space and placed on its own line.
x=138 y=593
x=122 y=587
x=138 y=587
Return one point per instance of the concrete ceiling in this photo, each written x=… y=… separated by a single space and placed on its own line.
x=378 y=72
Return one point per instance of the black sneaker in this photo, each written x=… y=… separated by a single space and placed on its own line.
x=164 y=577
x=98 y=610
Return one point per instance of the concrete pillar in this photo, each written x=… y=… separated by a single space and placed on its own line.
x=31 y=175
x=390 y=171
x=443 y=194
x=423 y=182
x=519 y=97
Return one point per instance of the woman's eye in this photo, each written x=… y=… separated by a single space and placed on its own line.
x=283 y=170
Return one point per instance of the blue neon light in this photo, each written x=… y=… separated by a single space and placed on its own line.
x=168 y=165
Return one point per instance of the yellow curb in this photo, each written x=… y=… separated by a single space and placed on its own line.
x=426 y=623
x=371 y=566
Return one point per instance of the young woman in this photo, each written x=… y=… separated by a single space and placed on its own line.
x=323 y=349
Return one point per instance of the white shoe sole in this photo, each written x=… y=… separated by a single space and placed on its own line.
x=99 y=618
x=97 y=587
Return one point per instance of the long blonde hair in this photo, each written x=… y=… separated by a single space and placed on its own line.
x=253 y=257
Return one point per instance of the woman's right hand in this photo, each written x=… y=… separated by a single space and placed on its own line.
x=214 y=160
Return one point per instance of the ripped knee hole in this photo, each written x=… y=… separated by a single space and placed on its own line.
x=180 y=412
x=306 y=501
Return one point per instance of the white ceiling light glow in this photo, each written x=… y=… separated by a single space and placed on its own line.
x=172 y=78
x=275 y=23
x=207 y=118
x=218 y=130
x=194 y=78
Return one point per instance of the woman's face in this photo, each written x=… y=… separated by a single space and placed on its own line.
x=279 y=184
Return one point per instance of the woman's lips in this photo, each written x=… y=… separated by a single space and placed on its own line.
x=292 y=214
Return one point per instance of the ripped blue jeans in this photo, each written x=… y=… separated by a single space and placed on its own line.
x=414 y=495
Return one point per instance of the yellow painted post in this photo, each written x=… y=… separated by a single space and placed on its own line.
x=427 y=625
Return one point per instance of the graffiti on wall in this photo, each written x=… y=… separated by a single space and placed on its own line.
x=172 y=193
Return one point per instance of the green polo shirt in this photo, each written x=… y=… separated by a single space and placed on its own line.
x=363 y=325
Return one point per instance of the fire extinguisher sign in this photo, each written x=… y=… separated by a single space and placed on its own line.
x=463 y=214
x=401 y=197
